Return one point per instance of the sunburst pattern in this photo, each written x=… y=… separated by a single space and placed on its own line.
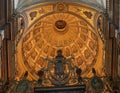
x=60 y=37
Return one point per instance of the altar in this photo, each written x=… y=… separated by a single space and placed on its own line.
x=60 y=81
x=60 y=76
x=63 y=89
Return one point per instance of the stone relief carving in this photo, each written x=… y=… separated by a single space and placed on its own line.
x=88 y=14
x=60 y=7
x=60 y=74
x=33 y=15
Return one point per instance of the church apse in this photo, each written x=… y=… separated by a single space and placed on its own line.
x=68 y=27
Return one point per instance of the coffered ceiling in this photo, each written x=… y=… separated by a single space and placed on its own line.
x=73 y=28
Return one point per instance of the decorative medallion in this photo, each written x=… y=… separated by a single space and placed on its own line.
x=60 y=26
x=60 y=7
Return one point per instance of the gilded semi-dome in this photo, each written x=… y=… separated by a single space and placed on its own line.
x=60 y=31
x=71 y=27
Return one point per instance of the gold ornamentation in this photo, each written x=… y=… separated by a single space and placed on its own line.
x=33 y=54
x=100 y=27
x=87 y=53
x=41 y=11
x=52 y=52
x=60 y=31
x=67 y=52
x=60 y=26
x=27 y=37
x=92 y=45
x=27 y=46
x=93 y=36
x=80 y=44
x=88 y=14
x=85 y=12
x=46 y=49
x=79 y=61
x=83 y=37
x=74 y=33
x=60 y=7
x=33 y=15
x=74 y=49
x=84 y=30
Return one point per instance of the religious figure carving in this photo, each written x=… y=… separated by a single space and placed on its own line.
x=60 y=63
